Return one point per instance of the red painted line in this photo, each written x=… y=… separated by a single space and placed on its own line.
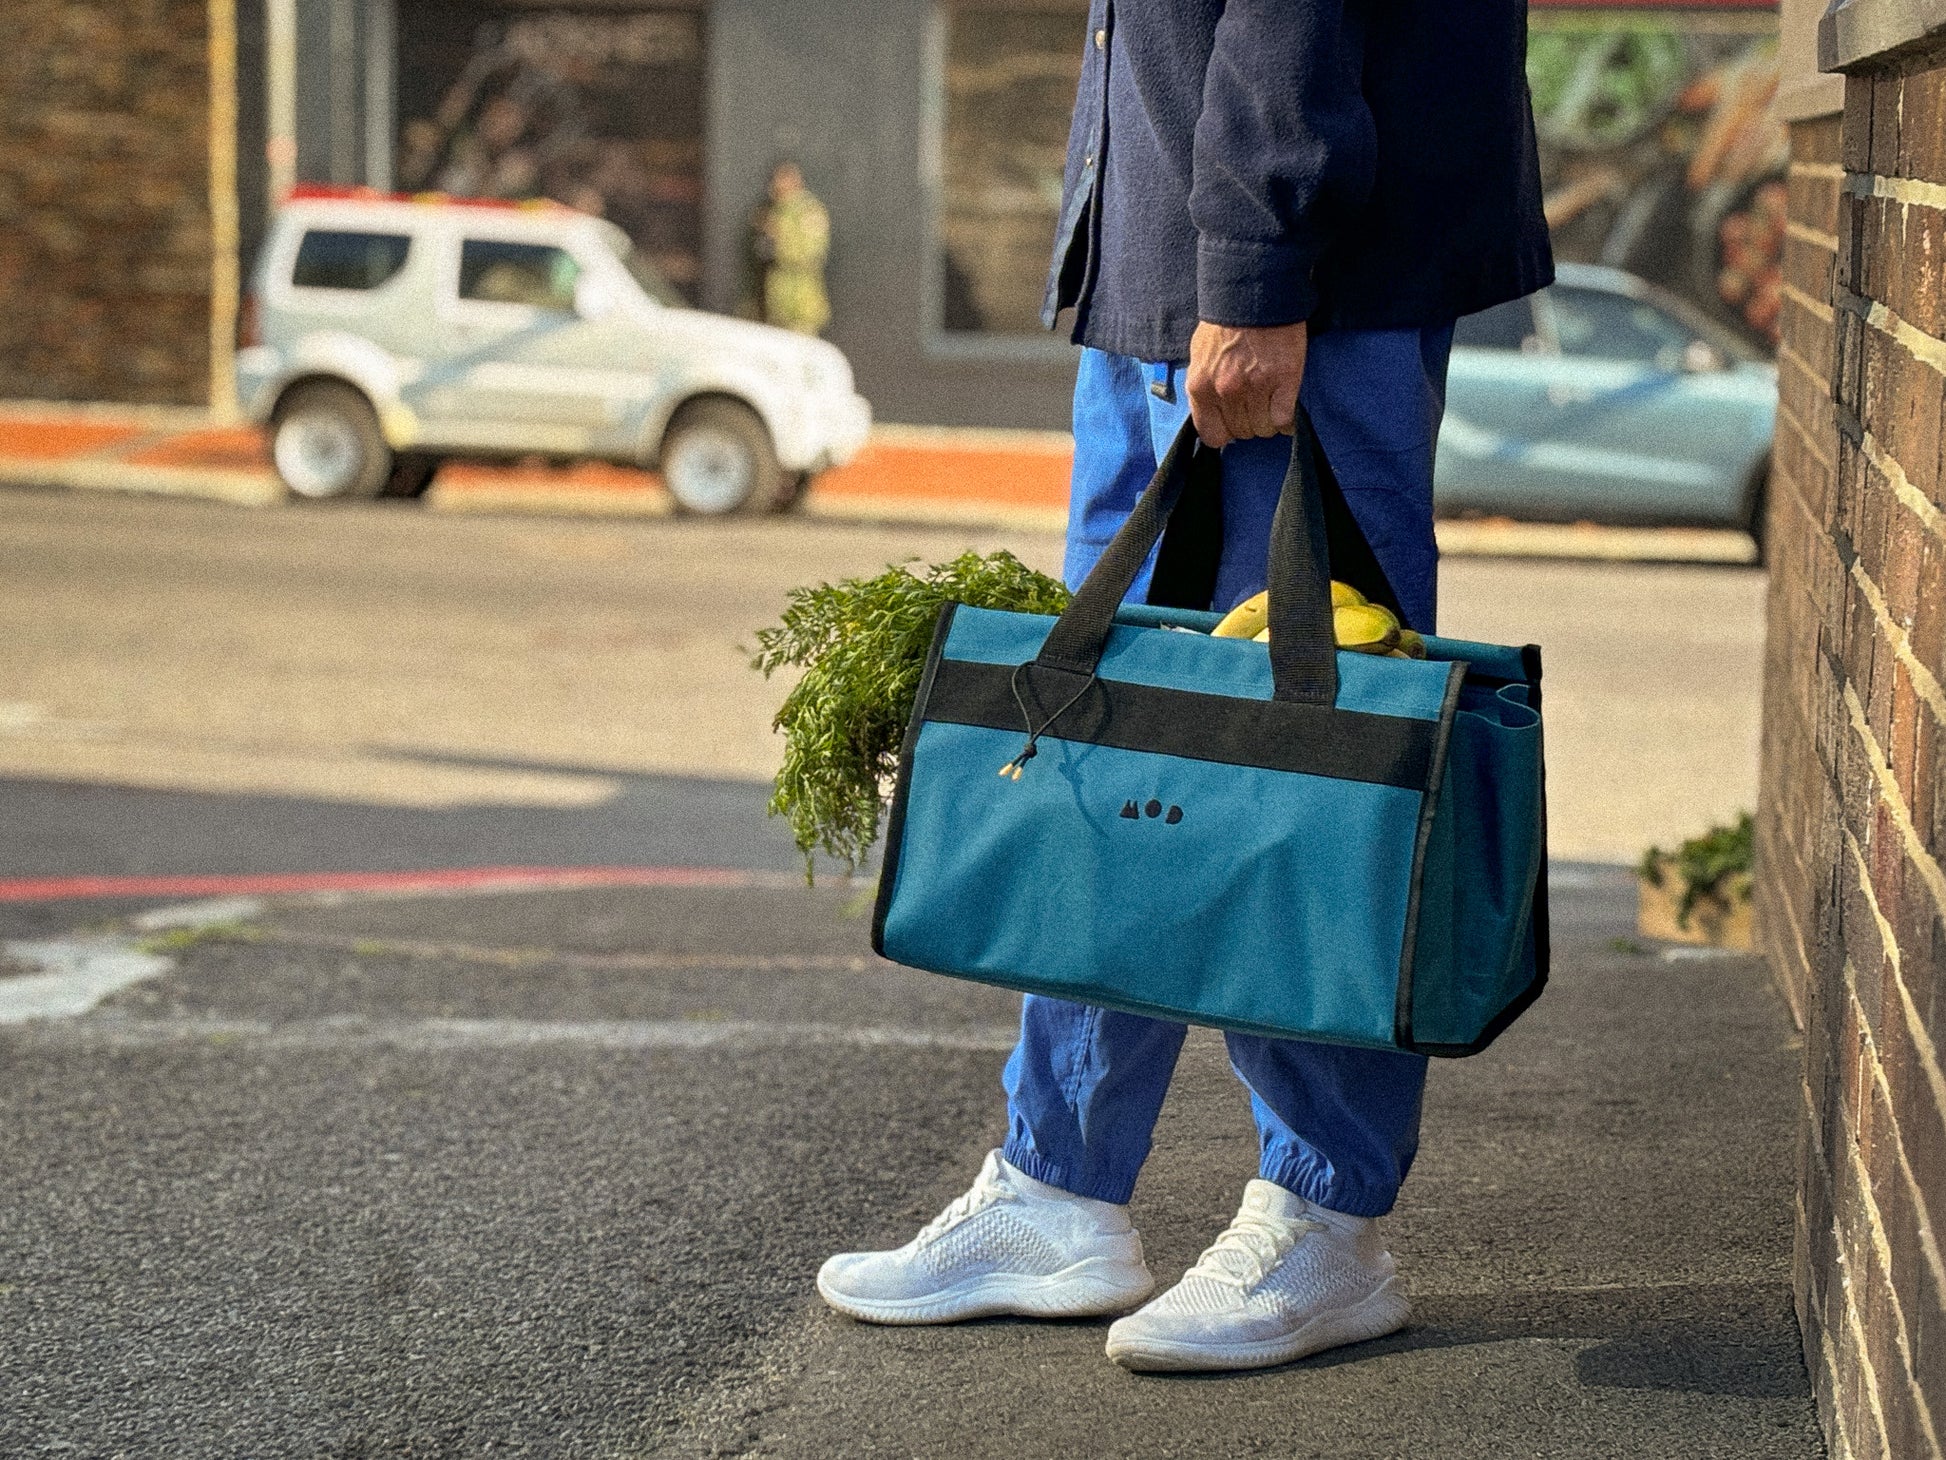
x=443 y=879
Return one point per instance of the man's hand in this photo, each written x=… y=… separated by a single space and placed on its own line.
x=1243 y=382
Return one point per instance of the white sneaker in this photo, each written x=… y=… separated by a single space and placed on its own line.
x=1011 y=1245
x=1286 y=1279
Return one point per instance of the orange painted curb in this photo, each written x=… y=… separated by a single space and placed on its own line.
x=58 y=440
x=235 y=448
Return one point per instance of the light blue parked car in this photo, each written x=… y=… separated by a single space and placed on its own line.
x=1605 y=399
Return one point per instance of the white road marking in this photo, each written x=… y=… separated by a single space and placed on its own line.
x=205 y=913
x=435 y=1034
x=75 y=974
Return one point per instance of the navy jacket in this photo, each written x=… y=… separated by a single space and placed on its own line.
x=1363 y=164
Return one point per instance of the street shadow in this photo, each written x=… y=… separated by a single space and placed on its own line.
x=59 y=828
x=1729 y=1339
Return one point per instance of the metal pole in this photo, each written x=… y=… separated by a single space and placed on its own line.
x=223 y=231
x=280 y=98
x=344 y=134
x=381 y=104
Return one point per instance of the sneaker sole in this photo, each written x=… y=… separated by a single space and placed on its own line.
x=1093 y=1288
x=1385 y=1310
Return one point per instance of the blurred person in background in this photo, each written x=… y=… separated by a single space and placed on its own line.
x=789 y=240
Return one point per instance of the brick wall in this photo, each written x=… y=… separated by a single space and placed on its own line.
x=1851 y=826
x=105 y=223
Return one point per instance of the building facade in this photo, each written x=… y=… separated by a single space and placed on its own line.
x=933 y=130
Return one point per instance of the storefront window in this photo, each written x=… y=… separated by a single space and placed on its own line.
x=1006 y=78
x=599 y=110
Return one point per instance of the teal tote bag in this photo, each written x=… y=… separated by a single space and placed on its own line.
x=1279 y=838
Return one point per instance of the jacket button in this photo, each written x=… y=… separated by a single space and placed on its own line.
x=1101 y=40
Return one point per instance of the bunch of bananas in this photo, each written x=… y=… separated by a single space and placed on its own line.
x=1363 y=628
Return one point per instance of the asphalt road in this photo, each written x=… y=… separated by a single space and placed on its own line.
x=494 y=683
x=549 y=1174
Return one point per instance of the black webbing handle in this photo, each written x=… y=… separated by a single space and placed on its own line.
x=1303 y=649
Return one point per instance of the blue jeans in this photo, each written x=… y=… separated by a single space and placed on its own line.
x=1338 y=1126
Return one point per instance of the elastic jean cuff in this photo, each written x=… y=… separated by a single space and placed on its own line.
x=1034 y=1164
x=1306 y=1180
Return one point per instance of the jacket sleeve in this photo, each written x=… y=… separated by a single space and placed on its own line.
x=1285 y=149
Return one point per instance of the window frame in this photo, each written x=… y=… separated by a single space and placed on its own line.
x=1043 y=347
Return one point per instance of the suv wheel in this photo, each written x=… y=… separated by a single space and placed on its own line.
x=326 y=443
x=717 y=459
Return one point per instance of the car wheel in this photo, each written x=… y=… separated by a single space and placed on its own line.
x=326 y=444
x=717 y=459
x=412 y=474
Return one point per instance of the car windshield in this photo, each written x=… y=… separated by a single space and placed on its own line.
x=644 y=273
x=1614 y=326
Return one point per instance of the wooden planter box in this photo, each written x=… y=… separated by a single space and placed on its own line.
x=1718 y=921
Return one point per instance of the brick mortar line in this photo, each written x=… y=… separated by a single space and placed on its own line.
x=1790 y=303
x=1880 y=316
x=1929 y=873
x=1817 y=307
x=1807 y=436
x=1836 y=1436
x=1861 y=1356
x=1920 y=505
x=1910 y=191
x=1901 y=1336
x=1813 y=1132
x=1867 y=1377
x=1922 y=677
x=1928 y=1245
x=1833 y=170
x=1805 y=233
x=1798 y=946
x=1811 y=373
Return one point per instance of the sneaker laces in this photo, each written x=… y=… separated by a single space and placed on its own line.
x=1250 y=1248
x=988 y=1187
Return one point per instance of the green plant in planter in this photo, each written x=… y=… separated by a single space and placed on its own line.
x=1705 y=865
x=862 y=645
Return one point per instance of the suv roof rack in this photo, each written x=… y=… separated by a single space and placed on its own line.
x=334 y=193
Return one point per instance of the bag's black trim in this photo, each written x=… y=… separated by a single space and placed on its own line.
x=1275 y=735
x=888 y=872
x=1530 y=660
x=1101 y=996
x=1428 y=808
x=1495 y=1027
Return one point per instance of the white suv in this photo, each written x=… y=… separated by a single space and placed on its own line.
x=384 y=334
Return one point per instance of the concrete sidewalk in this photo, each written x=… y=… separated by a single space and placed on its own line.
x=921 y=475
x=1597 y=1238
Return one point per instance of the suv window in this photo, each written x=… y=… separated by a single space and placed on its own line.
x=535 y=274
x=1504 y=327
x=333 y=260
x=1593 y=323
